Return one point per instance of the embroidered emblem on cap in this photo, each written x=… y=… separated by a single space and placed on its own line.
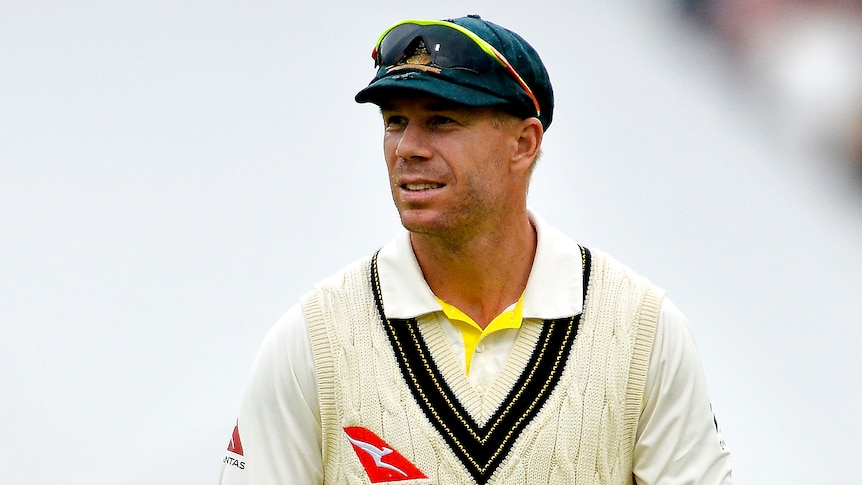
x=419 y=59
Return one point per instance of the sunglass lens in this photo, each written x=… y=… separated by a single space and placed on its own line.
x=395 y=43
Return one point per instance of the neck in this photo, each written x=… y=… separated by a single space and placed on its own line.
x=480 y=275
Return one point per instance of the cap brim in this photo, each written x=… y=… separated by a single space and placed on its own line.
x=421 y=82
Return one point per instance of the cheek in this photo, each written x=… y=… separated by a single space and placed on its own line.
x=390 y=146
x=390 y=141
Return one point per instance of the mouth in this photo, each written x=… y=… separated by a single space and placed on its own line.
x=421 y=187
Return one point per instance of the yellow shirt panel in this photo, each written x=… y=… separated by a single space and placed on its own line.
x=472 y=333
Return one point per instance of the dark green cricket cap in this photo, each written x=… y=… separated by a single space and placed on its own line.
x=493 y=87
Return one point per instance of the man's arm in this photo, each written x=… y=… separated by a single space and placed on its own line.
x=278 y=429
x=678 y=439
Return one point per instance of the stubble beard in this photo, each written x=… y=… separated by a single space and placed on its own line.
x=454 y=227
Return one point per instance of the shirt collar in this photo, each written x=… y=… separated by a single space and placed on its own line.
x=554 y=288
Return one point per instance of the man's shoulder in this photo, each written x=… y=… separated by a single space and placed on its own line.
x=606 y=262
x=393 y=250
x=343 y=278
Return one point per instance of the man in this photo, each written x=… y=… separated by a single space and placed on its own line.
x=481 y=345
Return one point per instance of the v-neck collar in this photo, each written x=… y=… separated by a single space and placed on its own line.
x=481 y=441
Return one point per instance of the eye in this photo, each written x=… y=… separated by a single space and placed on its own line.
x=394 y=122
x=441 y=122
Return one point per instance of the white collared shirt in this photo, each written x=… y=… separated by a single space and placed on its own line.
x=677 y=440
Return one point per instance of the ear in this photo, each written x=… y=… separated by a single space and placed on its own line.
x=530 y=135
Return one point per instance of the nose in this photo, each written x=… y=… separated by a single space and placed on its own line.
x=413 y=143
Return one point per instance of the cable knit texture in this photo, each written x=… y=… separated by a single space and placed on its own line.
x=584 y=433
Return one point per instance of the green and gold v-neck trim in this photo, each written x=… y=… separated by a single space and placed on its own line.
x=480 y=444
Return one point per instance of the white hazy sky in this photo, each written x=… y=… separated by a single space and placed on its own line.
x=174 y=175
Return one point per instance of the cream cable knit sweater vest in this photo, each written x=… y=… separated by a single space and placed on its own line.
x=563 y=410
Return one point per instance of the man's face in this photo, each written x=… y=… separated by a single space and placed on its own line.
x=449 y=165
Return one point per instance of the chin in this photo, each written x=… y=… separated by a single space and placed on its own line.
x=421 y=222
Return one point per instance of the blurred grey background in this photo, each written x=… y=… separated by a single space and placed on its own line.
x=174 y=175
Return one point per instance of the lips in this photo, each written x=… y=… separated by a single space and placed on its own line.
x=421 y=186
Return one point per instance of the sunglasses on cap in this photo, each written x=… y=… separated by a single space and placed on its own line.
x=449 y=45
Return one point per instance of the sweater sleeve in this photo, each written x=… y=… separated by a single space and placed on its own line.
x=678 y=441
x=277 y=439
